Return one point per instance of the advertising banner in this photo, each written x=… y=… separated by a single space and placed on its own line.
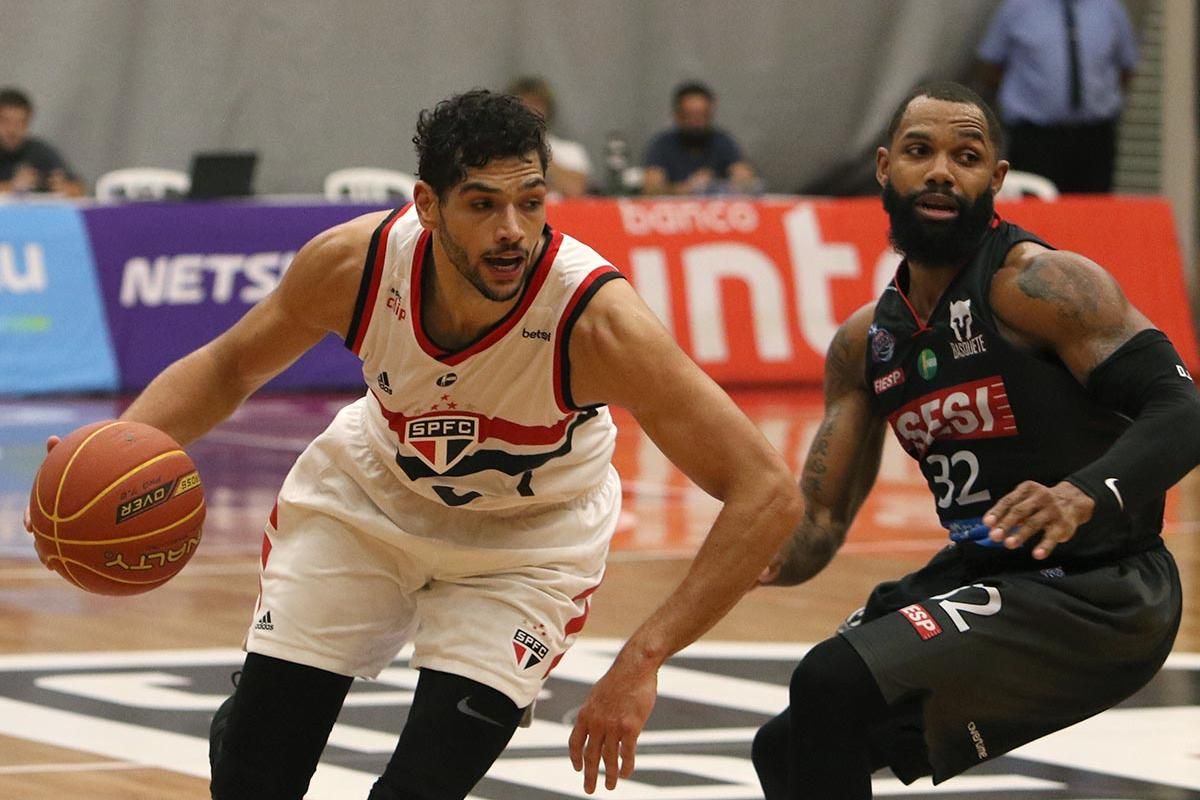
x=176 y=275
x=754 y=289
x=53 y=336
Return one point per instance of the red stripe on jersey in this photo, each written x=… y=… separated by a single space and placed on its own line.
x=489 y=427
x=553 y=664
x=560 y=338
x=576 y=624
x=416 y=284
x=376 y=274
x=266 y=542
x=921 y=324
x=540 y=270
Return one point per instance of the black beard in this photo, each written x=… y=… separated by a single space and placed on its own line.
x=936 y=244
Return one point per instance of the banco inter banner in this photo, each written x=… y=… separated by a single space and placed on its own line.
x=53 y=335
x=754 y=289
x=175 y=275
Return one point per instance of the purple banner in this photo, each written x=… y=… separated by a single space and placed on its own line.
x=174 y=275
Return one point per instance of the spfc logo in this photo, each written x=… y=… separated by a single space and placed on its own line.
x=528 y=649
x=442 y=441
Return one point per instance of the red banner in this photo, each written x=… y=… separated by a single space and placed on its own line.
x=754 y=289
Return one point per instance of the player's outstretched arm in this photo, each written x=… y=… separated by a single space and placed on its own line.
x=315 y=296
x=1065 y=304
x=842 y=461
x=620 y=354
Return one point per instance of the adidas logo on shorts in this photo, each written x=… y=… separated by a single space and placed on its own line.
x=264 y=623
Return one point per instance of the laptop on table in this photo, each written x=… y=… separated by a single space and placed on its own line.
x=222 y=174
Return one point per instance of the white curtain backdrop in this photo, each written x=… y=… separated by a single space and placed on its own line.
x=806 y=86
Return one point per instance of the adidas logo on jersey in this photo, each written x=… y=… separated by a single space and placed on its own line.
x=264 y=623
x=384 y=384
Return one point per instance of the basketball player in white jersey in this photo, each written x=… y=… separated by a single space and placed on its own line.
x=465 y=503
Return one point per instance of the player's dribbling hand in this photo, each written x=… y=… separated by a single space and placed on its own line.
x=1055 y=512
x=609 y=723
x=51 y=443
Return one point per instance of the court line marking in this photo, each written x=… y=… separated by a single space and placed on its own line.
x=188 y=754
x=74 y=766
x=216 y=656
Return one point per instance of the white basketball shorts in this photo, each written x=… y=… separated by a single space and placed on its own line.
x=355 y=565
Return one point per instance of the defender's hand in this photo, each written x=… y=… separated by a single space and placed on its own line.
x=1055 y=512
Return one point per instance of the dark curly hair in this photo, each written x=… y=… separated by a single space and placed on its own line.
x=470 y=129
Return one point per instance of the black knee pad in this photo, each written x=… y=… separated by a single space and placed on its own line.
x=772 y=738
x=832 y=679
x=771 y=756
x=456 y=729
x=276 y=729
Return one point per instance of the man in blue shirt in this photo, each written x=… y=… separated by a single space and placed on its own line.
x=694 y=157
x=1061 y=67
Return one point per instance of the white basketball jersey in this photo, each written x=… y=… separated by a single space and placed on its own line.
x=492 y=425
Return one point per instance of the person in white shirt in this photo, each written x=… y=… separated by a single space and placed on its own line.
x=570 y=169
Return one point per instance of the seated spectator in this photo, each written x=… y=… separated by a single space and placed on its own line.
x=570 y=168
x=29 y=164
x=694 y=157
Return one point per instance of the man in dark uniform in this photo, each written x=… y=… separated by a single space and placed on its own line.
x=1049 y=417
x=29 y=164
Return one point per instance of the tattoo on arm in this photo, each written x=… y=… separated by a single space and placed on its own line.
x=829 y=501
x=840 y=377
x=841 y=374
x=1090 y=308
x=1068 y=290
x=815 y=467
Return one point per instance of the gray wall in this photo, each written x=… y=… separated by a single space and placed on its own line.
x=314 y=85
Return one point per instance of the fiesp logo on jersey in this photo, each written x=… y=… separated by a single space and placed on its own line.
x=975 y=410
x=921 y=620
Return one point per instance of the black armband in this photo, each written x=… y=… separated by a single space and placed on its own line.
x=1145 y=379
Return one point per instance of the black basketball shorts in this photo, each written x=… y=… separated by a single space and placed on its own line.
x=977 y=665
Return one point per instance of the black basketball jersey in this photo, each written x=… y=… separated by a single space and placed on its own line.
x=981 y=415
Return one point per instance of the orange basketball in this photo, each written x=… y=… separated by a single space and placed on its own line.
x=117 y=508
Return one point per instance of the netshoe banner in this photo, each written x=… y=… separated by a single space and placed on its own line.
x=176 y=275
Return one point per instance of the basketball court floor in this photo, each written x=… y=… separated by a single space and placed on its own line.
x=109 y=698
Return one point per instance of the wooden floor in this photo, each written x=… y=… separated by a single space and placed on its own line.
x=110 y=697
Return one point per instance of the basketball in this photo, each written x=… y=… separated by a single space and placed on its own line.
x=116 y=508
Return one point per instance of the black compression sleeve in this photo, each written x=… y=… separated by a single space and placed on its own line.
x=1144 y=379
